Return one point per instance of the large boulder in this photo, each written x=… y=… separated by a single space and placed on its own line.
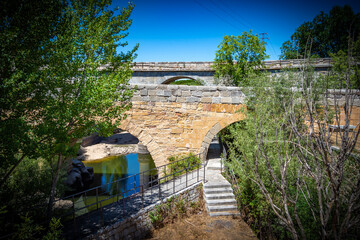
x=80 y=177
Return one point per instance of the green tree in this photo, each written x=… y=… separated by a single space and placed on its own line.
x=239 y=57
x=325 y=34
x=26 y=30
x=291 y=171
x=81 y=88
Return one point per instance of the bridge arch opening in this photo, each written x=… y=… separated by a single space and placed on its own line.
x=212 y=146
x=183 y=80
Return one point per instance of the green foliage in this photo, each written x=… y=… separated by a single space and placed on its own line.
x=27 y=191
x=54 y=231
x=29 y=230
x=337 y=75
x=238 y=58
x=325 y=34
x=189 y=82
x=180 y=164
x=283 y=166
x=174 y=208
x=63 y=76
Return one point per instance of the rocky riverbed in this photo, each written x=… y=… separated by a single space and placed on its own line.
x=96 y=147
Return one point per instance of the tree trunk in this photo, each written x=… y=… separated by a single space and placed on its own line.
x=53 y=187
x=7 y=175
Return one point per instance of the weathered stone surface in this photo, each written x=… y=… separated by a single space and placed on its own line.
x=176 y=120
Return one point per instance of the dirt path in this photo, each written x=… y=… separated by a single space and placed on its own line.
x=202 y=226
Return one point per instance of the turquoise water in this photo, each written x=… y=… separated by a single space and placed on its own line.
x=115 y=168
x=111 y=169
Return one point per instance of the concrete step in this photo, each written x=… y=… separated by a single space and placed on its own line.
x=218 y=190
x=223 y=202
x=217 y=185
x=224 y=208
x=219 y=196
x=230 y=213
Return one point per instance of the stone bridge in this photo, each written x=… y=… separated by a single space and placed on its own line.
x=166 y=72
x=172 y=119
x=175 y=119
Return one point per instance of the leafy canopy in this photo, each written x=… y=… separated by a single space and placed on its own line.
x=238 y=57
x=325 y=34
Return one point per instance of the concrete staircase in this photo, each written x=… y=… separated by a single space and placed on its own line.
x=220 y=199
x=219 y=196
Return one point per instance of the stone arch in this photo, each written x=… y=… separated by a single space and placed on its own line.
x=147 y=140
x=215 y=129
x=173 y=79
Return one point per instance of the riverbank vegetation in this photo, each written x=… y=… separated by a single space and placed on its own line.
x=294 y=156
x=55 y=89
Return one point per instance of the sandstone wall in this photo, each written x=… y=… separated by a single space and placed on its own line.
x=174 y=120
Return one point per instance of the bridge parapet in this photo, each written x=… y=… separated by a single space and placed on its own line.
x=188 y=94
x=208 y=66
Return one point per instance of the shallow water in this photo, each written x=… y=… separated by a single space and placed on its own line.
x=114 y=168
x=112 y=174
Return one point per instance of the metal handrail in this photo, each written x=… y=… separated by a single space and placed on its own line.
x=128 y=177
x=149 y=185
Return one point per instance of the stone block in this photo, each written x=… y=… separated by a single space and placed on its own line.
x=159 y=92
x=206 y=100
x=216 y=99
x=196 y=93
x=236 y=100
x=226 y=100
x=185 y=93
x=236 y=93
x=225 y=93
x=176 y=92
x=192 y=99
x=143 y=92
x=146 y=98
x=181 y=99
x=152 y=92
x=193 y=88
x=153 y=98
x=172 y=99
x=136 y=99
x=172 y=87
x=167 y=93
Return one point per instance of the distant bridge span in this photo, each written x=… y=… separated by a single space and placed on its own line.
x=166 y=72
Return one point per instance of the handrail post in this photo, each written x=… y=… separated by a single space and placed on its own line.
x=142 y=196
x=204 y=172
x=123 y=194
x=101 y=216
x=97 y=198
x=198 y=172
x=173 y=184
x=159 y=190
x=74 y=215
x=117 y=193
x=186 y=177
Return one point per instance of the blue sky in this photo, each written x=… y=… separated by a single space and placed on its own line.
x=191 y=30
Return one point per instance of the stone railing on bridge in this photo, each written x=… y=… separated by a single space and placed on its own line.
x=188 y=94
x=208 y=66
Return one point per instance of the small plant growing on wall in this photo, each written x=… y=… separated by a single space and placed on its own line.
x=180 y=164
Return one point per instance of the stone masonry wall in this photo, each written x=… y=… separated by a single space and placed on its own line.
x=137 y=226
x=175 y=120
x=187 y=94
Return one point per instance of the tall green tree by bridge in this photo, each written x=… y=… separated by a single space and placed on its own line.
x=238 y=58
x=326 y=34
x=63 y=84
